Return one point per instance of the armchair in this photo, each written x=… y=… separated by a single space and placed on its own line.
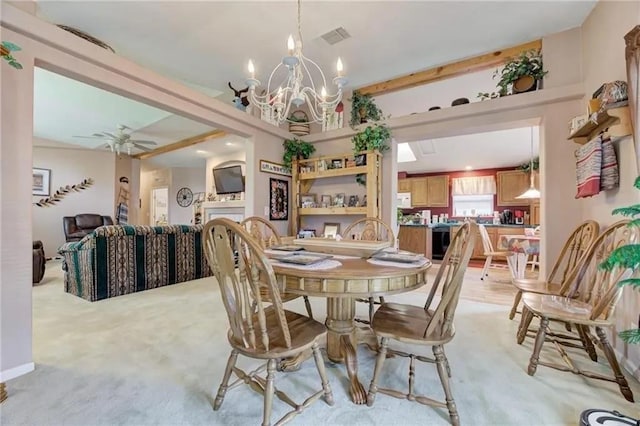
x=76 y=227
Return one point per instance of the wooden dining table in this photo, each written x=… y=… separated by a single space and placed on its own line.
x=341 y=286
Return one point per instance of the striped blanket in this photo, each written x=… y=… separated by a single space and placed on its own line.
x=596 y=167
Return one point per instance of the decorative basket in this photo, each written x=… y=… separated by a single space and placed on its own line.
x=299 y=127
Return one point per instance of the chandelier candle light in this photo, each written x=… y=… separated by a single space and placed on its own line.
x=297 y=87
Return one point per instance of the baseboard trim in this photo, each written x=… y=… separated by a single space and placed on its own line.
x=18 y=371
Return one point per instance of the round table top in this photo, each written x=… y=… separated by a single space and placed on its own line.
x=355 y=278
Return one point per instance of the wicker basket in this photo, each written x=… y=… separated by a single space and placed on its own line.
x=299 y=128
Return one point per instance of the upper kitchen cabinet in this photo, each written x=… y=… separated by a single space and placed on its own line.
x=511 y=183
x=438 y=191
x=404 y=185
x=419 y=192
x=430 y=191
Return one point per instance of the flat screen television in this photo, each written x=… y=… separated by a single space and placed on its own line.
x=228 y=180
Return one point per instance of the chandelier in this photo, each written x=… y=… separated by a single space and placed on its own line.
x=296 y=81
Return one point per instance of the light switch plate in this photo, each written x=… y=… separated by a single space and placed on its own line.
x=266 y=210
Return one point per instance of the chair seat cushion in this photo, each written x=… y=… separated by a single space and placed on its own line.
x=303 y=330
x=407 y=323
x=535 y=286
x=562 y=308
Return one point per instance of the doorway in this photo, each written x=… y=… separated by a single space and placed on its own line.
x=160 y=206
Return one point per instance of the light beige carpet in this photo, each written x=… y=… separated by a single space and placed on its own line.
x=156 y=357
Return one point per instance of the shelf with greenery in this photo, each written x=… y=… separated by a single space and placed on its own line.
x=520 y=74
x=363 y=109
x=296 y=149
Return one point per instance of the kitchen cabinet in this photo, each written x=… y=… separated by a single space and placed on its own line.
x=430 y=191
x=416 y=239
x=419 y=192
x=404 y=185
x=438 y=191
x=511 y=183
x=534 y=213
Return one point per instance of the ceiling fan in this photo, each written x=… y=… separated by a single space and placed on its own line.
x=121 y=140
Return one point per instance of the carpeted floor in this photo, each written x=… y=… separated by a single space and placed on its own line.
x=156 y=357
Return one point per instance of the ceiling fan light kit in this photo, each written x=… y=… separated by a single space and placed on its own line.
x=297 y=87
x=121 y=141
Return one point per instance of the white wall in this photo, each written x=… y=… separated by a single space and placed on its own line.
x=15 y=215
x=184 y=177
x=603 y=53
x=149 y=180
x=69 y=167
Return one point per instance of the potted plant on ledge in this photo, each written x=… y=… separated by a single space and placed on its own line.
x=296 y=149
x=363 y=109
x=375 y=137
x=521 y=74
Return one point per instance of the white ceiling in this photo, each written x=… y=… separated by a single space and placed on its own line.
x=209 y=43
x=504 y=148
x=196 y=155
x=65 y=108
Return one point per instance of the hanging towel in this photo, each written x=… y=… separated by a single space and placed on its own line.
x=589 y=168
x=610 y=174
x=122 y=213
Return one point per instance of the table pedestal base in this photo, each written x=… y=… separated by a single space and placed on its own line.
x=342 y=342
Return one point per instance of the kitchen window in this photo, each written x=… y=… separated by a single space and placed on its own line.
x=473 y=196
x=473 y=205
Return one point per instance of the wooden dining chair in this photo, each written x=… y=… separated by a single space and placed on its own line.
x=426 y=326
x=266 y=235
x=370 y=229
x=573 y=252
x=590 y=303
x=258 y=331
x=490 y=252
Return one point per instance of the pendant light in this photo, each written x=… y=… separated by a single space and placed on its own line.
x=532 y=192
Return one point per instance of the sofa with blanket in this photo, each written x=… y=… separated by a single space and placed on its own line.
x=121 y=259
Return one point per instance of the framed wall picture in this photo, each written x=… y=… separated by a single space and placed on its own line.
x=41 y=182
x=278 y=199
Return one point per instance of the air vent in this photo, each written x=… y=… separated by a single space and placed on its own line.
x=335 y=36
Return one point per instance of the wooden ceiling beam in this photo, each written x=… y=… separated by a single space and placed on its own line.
x=194 y=140
x=465 y=66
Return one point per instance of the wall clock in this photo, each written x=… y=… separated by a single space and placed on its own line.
x=184 y=197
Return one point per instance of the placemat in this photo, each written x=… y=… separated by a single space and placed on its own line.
x=282 y=252
x=325 y=264
x=399 y=264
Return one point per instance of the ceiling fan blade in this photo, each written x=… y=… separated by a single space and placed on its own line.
x=111 y=135
x=143 y=141
x=141 y=147
x=125 y=127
